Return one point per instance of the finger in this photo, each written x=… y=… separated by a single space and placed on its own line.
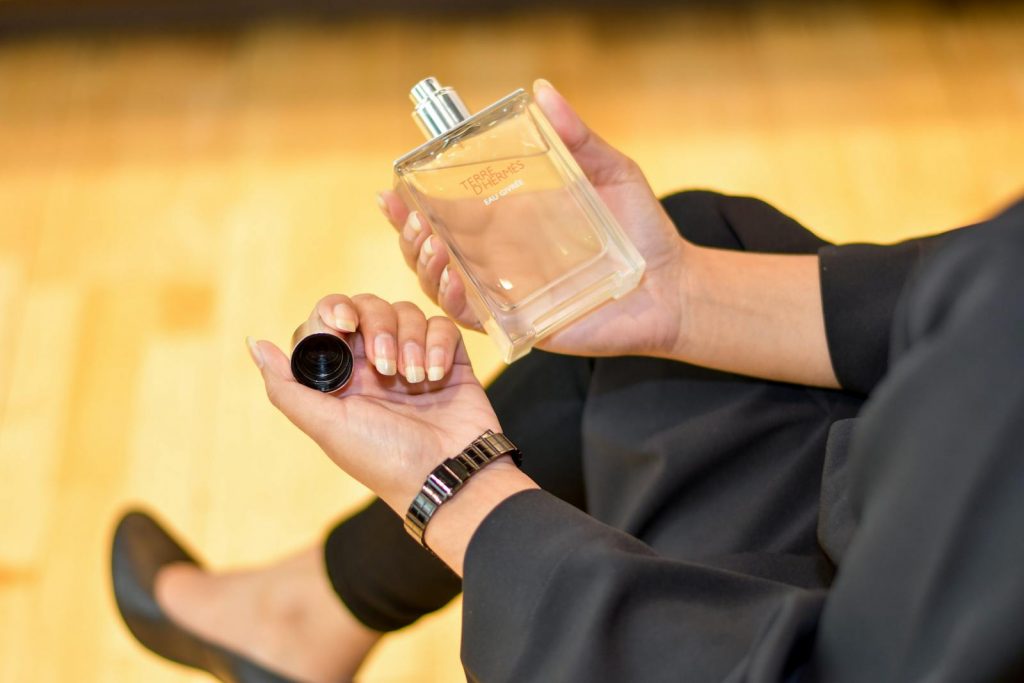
x=412 y=329
x=412 y=236
x=451 y=297
x=602 y=163
x=431 y=263
x=393 y=208
x=337 y=312
x=378 y=324
x=310 y=410
x=442 y=341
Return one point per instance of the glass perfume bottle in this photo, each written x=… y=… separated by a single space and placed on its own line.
x=534 y=244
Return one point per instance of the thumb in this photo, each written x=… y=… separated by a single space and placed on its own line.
x=308 y=409
x=602 y=163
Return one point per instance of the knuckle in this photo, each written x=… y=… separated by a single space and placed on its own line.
x=328 y=298
x=441 y=321
x=630 y=168
x=405 y=308
x=365 y=299
x=443 y=325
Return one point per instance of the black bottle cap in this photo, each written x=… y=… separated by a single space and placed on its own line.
x=322 y=361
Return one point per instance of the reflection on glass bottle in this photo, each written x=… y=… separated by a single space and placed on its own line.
x=531 y=239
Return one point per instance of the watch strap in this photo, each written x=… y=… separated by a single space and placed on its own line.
x=445 y=480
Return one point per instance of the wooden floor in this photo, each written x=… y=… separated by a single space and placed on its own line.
x=161 y=197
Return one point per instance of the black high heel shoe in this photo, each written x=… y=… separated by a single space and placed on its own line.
x=140 y=549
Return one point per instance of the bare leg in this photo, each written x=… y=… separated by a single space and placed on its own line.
x=284 y=616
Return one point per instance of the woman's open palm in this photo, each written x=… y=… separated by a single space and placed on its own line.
x=391 y=424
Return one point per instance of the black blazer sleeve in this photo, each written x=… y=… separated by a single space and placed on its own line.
x=551 y=594
x=860 y=287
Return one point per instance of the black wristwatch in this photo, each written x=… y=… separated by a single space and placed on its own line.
x=448 y=477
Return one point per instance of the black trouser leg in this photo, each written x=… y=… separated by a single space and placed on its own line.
x=738 y=459
x=931 y=587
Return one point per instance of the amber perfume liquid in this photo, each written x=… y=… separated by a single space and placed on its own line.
x=531 y=239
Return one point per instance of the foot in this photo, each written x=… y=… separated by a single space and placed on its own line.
x=285 y=617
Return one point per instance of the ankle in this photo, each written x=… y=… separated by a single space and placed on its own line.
x=285 y=617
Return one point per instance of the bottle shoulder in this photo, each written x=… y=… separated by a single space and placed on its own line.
x=504 y=130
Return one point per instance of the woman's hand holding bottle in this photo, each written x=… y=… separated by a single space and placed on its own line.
x=645 y=321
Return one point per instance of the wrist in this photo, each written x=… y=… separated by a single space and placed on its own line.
x=452 y=527
x=678 y=300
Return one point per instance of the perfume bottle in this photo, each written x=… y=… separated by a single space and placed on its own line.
x=525 y=229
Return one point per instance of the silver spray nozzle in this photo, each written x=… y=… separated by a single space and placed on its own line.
x=438 y=109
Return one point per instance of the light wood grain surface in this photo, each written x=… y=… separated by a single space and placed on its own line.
x=162 y=196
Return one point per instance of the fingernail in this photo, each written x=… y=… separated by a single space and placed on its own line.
x=543 y=92
x=383 y=206
x=444 y=279
x=435 y=358
x=254 y=351
x=542 y=83
x=413 y=363
x=413 y=226
x=428 y=249
x=384 y=350
x=342 y=321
